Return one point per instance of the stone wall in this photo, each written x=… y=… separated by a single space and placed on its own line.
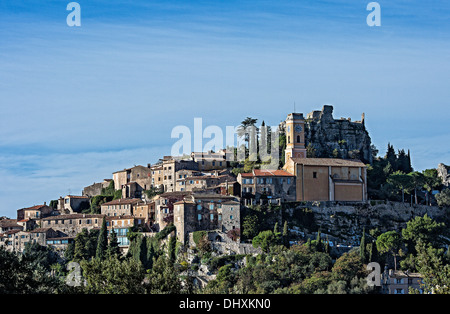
x=345 y=221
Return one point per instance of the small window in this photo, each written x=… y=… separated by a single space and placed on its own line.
x=199 y=216
x=211 y=217
x=298 y=138
x=314 y=175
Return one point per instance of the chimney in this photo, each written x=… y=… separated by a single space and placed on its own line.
x=45 y=203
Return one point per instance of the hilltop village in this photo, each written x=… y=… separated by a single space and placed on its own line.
x=324 y=165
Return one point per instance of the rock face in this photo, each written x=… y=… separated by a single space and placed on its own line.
x=444 y=174
x=339 y=138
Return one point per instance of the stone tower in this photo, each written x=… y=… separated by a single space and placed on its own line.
x=295 y=136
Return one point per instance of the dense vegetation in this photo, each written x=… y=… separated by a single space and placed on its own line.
x=159 y=265
x=392 y=178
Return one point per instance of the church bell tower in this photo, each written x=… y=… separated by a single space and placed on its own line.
x=295 y=136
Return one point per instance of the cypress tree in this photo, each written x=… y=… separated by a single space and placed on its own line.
x=285 y=234
x=113 y=247
x=319 y=242
x=102 y=242
x=80 y=251
x=171 y=248
x=362 y=246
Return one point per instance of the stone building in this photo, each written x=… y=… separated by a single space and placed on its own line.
x=400 y=282
x=9 y=224
x=275 y=185
x=34 y=212
x=210 y=160
x=157 y=175
x=133 y=181
x=201 y=181
x=198 y=211
x=39 y=236
x=120 y=207
x=328 y=179
x=96 y=188
x=72 y=224
x=120 y=225
x=164 y=208
x=170 y=168
x=71 y=204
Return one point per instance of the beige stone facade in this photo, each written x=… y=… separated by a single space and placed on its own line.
x=205 y=212
x=328 y=179
x=120 y=207
x=133 y=181
x=268 y=184
x=71 y=225
x=210 y=160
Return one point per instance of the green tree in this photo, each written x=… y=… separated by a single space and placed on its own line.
x=400 y=181
x=362 y=246
x=443 y=197
x=113 y=276
x=171 y=248
x=102 y=242
x=432 y=181
x=163 y=277
x=250 y=226
x=348 y=266
x=417 y=180
x=286 y=234
x=38 y=255
x=265 y=240
x=113 y=246
x=20 y=276
x=432 y=266
x=426 y=230
x=80 y=250
x=389 y=242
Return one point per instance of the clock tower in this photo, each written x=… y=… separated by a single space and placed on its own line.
x=295 y=136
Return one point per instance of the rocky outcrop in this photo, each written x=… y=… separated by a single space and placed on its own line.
x=444 y=174
x=345 y=222
x=341 y=138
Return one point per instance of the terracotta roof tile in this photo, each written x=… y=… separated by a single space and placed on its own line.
x=329 y=162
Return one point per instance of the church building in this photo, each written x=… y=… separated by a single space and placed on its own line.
x=321 y=179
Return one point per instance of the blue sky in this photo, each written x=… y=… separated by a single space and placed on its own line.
x=78 y=103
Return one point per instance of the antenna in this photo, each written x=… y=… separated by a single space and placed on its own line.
x=294 y=107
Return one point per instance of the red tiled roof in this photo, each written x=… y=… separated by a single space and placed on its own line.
x=77 y=196
x=329 y=162
x=266 y=173
x=123 y=201
x=272 y=173
x=35 y=207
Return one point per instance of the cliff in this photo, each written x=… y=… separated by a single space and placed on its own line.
x=341 y=138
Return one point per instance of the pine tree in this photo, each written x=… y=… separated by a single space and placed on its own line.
x=102 y=242
x=275 y=228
